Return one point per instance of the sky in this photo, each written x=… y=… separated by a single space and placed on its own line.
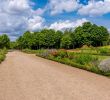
x=18 y=16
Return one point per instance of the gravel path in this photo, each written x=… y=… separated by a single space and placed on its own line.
x=27 y=77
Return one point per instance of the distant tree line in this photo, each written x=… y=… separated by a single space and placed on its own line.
x=87 y=34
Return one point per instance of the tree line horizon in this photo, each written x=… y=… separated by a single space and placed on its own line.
x=88 y=34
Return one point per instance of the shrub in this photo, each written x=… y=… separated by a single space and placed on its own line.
x=85 y=59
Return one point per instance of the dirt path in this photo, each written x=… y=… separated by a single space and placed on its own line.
x=26 y=77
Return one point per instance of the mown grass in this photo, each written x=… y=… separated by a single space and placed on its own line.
x=87 y=59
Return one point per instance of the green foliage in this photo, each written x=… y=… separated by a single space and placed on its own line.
x=90 y=34
x=66 y=42
x=2 y=54
x=4 y=41
x=46 y=38
x=87 y=34
x=85 y=59
x=13 y=45
x=104 y=51
x=62 y=53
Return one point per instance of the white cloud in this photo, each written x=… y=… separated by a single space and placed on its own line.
x=14 y=6
x=17 y=16
x=95 y=8
x=39 y=11
x=60 y=6
x=35 y=23
x=67 y=24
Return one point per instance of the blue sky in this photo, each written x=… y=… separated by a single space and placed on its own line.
x=18 y=16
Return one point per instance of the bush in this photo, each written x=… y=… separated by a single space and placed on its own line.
x=85 y=59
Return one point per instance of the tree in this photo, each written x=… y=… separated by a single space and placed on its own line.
x=90 y=34
x=4 y=41
x=58 y=36
x=49 y=38
x=25 y=41
x=99 y=34
x=80 y=37
x=66 y=42
x=20 y=43
x=87 y=34
x=35 y=39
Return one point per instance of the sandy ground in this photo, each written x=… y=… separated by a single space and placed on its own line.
x=27 y=77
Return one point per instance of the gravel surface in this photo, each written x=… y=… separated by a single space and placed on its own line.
x=27 y=77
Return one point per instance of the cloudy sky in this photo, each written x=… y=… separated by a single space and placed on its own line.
x=18 y=16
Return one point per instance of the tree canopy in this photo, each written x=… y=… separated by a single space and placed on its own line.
x=87 y=34
x=4 y=41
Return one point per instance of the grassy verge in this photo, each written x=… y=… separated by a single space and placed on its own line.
x=84 y=61
x=2 y=54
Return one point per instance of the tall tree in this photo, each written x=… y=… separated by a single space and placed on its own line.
x=66 y=42
x=4 y=41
